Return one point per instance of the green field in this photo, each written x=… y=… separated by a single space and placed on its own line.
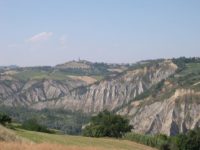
x=17 y=138
x=191 y=68
x=190 y=76
x=82 y=142
x=40 y=74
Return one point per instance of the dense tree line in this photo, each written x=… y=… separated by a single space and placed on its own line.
x=66 y=121
x=182 y=61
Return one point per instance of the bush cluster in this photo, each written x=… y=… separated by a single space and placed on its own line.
x=33 y=125
x=157 y=141
x=187 y=141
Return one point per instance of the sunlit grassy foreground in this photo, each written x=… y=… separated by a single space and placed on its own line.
x=29 y=140
x=60 y=142
x=41 y=146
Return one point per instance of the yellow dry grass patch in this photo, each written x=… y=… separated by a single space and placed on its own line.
x=82 y=143
x=8 y=135
x=87 y=79
x=42 y=146
x=48 y=146
x=10 y=72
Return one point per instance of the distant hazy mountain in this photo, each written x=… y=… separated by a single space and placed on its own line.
x=9 y=67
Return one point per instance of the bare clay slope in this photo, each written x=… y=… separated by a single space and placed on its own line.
x=114 y=92
x=76 y=95
x=173 y=107
x=170 y=116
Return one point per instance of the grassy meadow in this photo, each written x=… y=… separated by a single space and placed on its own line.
x=30 y=140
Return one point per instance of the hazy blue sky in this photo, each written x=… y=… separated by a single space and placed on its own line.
x=48 y=32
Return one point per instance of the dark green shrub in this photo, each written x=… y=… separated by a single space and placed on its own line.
x=189 y=141
x=4 y=119
x=33 y=125
x=165 y=146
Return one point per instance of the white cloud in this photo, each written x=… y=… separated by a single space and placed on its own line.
x=63 y=41
x=43 y=36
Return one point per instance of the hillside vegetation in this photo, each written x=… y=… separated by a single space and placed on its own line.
x=67 y=122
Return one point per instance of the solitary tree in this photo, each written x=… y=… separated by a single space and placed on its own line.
x=107 y=124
